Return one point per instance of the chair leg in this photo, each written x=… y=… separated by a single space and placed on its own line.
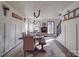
x=24 y=53
x=33 y=53
x=42 y=47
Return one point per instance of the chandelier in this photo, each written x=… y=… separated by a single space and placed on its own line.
x=37 y=15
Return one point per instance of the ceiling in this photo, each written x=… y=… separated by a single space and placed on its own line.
x=48 y=9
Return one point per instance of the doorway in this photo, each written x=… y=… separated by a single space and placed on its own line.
x=50 y=27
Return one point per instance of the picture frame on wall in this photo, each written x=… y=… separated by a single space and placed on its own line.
x=14 y=15
x=77 y=12
x=43 y=24
x=66 y=17
x=71 y=15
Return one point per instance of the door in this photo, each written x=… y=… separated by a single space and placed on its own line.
x=71 y=36
x=78 y=37
x=18 y=33
x=50 y=27
x=9 y=36
x=1 y=38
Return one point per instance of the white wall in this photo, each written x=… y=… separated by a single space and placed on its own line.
x=69 y=36
x=10 y=29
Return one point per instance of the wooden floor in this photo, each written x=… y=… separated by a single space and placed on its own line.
x=52 y=50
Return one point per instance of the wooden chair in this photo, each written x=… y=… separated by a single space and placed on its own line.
x=28 y=43
x=42 y=42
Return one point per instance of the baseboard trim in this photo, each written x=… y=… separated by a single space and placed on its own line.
x=65 y=50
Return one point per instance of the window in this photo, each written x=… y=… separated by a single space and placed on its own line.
x=37 y=26
x=50 y=27
x=31 y=26
x=26 y=27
